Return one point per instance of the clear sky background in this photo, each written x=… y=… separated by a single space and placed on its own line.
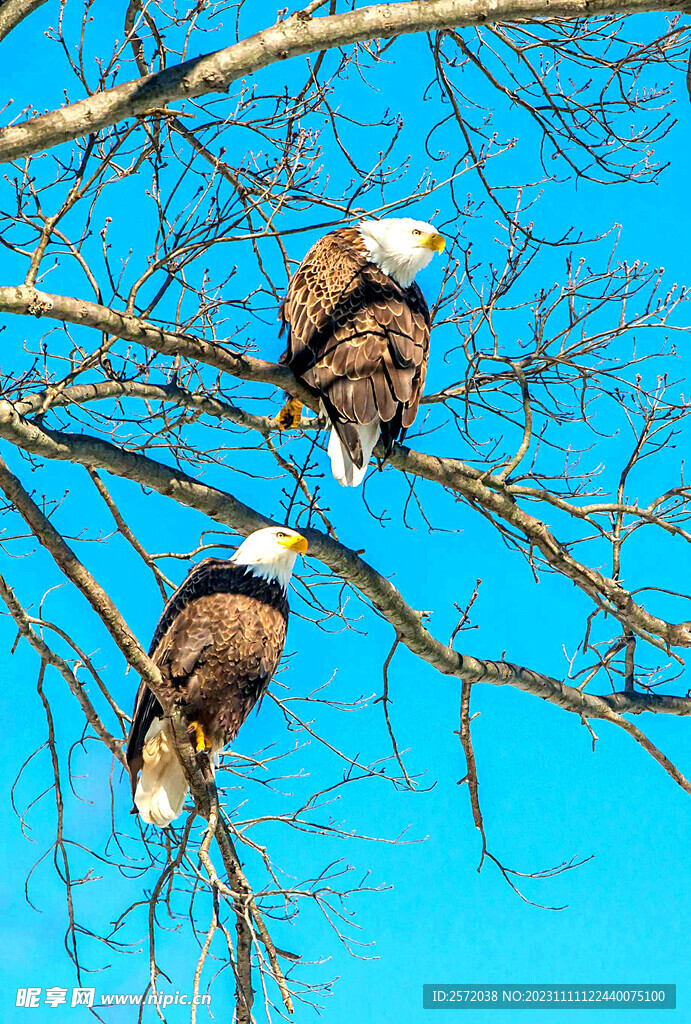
x=545 y=795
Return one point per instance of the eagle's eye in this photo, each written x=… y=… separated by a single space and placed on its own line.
x=416 y=231
x=280 y=535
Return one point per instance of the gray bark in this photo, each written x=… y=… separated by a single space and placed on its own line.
x=301 y=34
x=12 y=12
x=490 y=492
x=27 y=301
x=224 y=508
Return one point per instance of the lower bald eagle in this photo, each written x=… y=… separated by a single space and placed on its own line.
x=358 y=335
x=217 y=645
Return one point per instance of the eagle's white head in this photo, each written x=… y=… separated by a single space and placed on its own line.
x=400 y=246
x=271 y=553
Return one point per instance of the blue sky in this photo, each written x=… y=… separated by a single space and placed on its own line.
x=546 y=797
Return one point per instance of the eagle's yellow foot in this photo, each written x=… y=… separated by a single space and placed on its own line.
x=290 y=415
x=201 y=742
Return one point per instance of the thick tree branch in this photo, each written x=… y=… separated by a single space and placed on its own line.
x=224 y=508
x=491 y=493
x=13 y=12
x=30 y=302
x=61 y=395
x=298 y=35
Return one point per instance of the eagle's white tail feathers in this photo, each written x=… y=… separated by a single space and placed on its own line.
x=162 y=786
x=342 y=466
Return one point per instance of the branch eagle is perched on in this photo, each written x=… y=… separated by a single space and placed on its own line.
x=217 y=645
x=358 y=335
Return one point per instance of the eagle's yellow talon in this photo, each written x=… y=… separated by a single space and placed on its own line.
x=201 y=742
x=290 y=415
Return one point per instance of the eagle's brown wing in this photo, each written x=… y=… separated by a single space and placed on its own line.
x=358 y=339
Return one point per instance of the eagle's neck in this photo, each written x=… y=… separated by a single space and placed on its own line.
x=279 y=571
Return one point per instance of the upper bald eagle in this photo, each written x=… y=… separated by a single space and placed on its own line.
x=358 y=335
x=217 y=645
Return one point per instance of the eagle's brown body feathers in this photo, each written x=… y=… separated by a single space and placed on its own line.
x=217 y=658
x=358 y=339
x=217 y=645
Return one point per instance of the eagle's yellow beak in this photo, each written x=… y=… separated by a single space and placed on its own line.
x=296 y=543
x=434 y=242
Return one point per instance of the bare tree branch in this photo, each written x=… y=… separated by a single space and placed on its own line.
x=407 y=622
x=300 y=34
x=201 y=786
x=30 y=302
x=13 y=12
x=50 y=657
x=560 y=451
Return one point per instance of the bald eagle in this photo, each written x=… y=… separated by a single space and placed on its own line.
x=217 y=645
x=358 y=335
